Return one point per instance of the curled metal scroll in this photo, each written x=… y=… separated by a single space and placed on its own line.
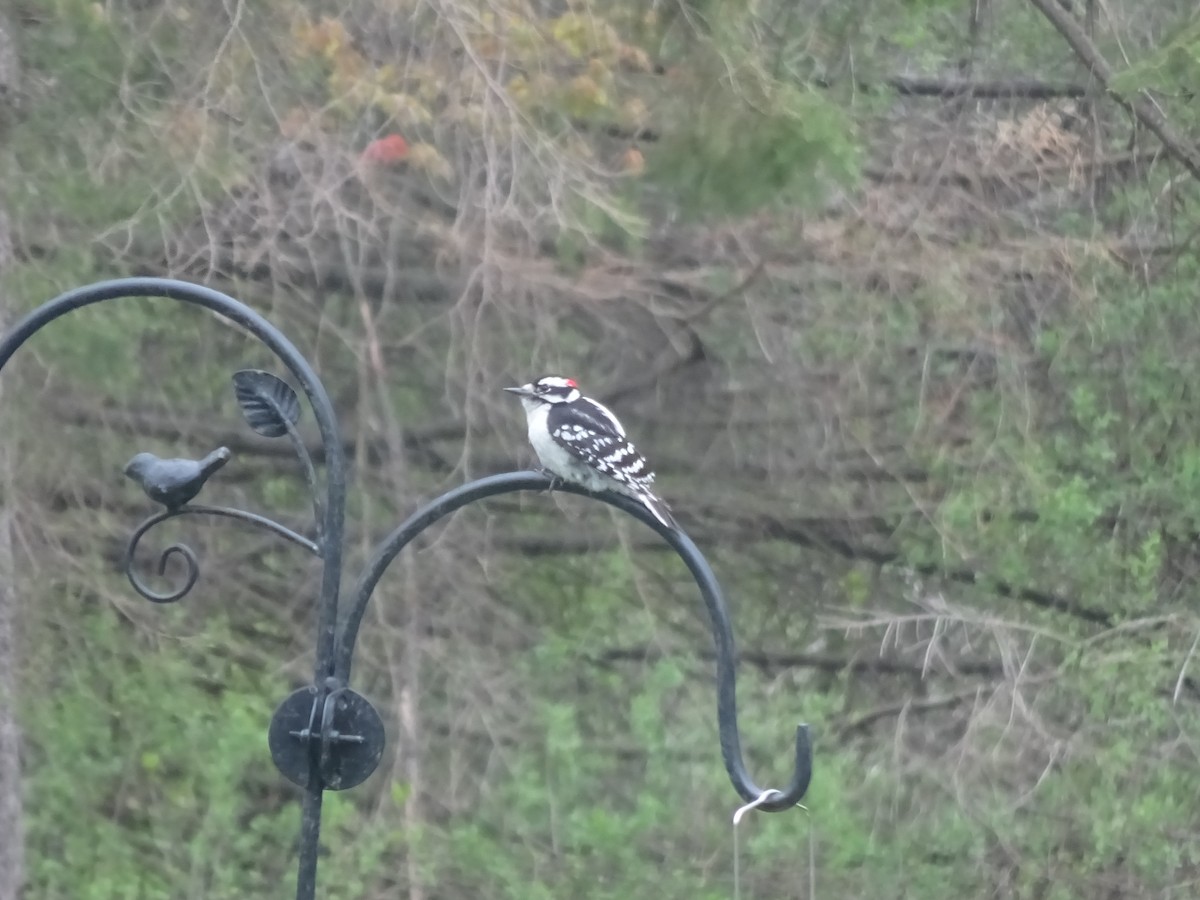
x=710 y=590
x=332 y=511
x=188 y=555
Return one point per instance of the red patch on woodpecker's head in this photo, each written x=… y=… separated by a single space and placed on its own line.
x=571 y=383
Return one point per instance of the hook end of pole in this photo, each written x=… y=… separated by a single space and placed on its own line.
x=801 y=777
x=804 y=762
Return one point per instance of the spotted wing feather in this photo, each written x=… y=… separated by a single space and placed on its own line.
x=599 y=412
x=589 y=435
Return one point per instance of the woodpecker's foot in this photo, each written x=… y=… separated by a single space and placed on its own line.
x=555 y=481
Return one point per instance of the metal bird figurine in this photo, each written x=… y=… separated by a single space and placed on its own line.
x=173 y=482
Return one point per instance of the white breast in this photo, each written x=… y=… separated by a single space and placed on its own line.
x=556 y=459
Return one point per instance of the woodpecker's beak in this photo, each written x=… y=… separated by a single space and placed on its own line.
x=525 y=390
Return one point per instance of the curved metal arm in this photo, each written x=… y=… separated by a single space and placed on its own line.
x=332 y=519
x=189 y=557
x=714 y=601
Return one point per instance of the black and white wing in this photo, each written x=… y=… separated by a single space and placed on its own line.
x=591 y=434
x=601 y=413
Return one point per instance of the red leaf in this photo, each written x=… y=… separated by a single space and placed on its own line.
x=389 y=149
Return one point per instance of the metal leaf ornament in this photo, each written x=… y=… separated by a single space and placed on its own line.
x=268 y=403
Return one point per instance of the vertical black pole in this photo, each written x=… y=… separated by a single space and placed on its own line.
x=310 y=834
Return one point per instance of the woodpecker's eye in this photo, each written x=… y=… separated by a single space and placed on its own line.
x=542 y=388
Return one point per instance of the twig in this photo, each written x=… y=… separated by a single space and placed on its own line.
x=1179 y=682
x=895 y=709
x=821 y=662
x=735 y=291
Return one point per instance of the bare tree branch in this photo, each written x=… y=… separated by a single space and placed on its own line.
x=946 y=88
x=820 y=661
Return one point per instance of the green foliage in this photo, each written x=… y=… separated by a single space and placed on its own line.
x=150 y=777
x=556 y=827
x=108 y=137
x=748 y=143
x=1172 y=67
x=166 y=780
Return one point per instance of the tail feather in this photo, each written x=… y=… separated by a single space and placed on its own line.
x=659 y=508
x=214 y=461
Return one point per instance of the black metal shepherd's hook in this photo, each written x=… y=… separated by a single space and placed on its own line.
x=326 y=736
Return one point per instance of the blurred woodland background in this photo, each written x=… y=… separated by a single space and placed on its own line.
x=899 y=298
